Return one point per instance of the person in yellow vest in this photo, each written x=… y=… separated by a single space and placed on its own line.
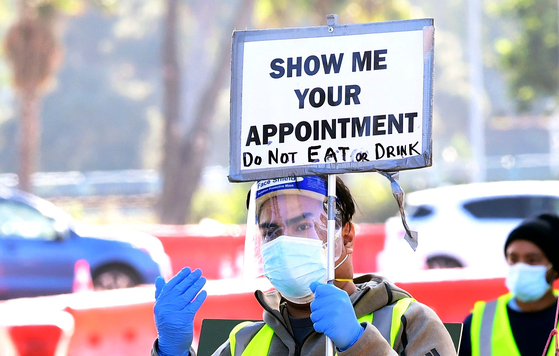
x=286 y=229
x=519 y=323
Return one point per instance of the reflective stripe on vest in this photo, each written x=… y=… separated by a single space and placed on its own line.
x=491 y=332
x=388 y=321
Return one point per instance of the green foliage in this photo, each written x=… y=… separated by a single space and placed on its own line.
x=371 y=191
x=227 y=207
x=373 y=196
x=72 y=7
x=292 y=13
x=7 y=15
x=531 y=57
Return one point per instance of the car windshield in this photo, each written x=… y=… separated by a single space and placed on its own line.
x=419 y=211
x=518 y=207
x=17 y=219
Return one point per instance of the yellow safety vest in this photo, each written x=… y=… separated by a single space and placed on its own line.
x=491 y=332
x=259 y=345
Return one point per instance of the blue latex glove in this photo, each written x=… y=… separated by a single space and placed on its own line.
x=333 y=315
x=176 y=303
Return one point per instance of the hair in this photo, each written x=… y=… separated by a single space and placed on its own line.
x=344 y=202
x=543 y=231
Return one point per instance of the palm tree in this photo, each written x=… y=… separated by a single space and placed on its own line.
x=34 y=55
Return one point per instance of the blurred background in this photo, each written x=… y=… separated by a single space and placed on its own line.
x=118 y=111
x=116 y=114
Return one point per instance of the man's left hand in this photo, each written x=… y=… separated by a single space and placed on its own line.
x=332 y=314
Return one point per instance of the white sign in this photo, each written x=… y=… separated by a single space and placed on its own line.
x=333 y=103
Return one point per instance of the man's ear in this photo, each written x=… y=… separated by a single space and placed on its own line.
x=348 y=233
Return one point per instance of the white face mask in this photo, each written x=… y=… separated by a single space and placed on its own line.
x=527 y=282
x=292 y=264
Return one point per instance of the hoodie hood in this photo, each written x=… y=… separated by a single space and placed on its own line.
x=374 y=292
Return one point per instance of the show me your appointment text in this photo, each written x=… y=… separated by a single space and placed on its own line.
x=316 y=130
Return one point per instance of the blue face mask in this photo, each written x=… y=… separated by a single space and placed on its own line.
x=292 y=264
x=526 y=282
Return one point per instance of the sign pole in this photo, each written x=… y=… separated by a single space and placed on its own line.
x=330 y=275
x=332 y=20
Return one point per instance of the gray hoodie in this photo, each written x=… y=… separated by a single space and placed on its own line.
x=422 y=333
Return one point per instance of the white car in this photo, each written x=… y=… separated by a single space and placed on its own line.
x=463 y=225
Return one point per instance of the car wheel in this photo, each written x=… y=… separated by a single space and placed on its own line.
x=114 y=277
x=442 y=262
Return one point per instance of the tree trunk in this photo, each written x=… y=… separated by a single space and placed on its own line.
x=172 y=102
x=179 y=189
x=30 y=137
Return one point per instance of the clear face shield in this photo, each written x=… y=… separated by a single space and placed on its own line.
x=286 y=237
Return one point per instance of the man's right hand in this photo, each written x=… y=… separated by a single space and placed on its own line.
x=176 y=303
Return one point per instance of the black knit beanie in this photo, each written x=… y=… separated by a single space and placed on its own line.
x=543 y=231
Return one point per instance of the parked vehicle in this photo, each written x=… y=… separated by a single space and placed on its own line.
x=464 y=225
x=40 y=244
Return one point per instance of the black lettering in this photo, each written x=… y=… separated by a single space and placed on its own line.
x=411 y=116
x=294 y=67
x=316 y=125
x=331 y=128
x=390 y=152
x=397 y=124
x=379 y=151
x=273 y=158
x=301 y=97
x=331 y=100
x=292 y=156
x=401 y=151
x=303 y=125
x=253 y=136
x=329 y=155
x=275 y=65
x=358 y=126
x=412 y=148
x=362 y=156
x=316 y=66
x=247 y=159
x=379 y=59
x=321 y=97
x=327 y=64
x=364 y=62
x=378 y=125
x=343 y=150
x=276 y=157
x=343 y=121
x=269 y=131
x=285 y=130
x=352 y=91
x=312 y=152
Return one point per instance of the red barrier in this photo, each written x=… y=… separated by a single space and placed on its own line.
x=121 y=322
x=116 y=322
x=218 y=251
x=45 y=334
x=369 y=241
x=33 y=340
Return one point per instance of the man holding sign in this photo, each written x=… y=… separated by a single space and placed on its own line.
x=286 y=231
